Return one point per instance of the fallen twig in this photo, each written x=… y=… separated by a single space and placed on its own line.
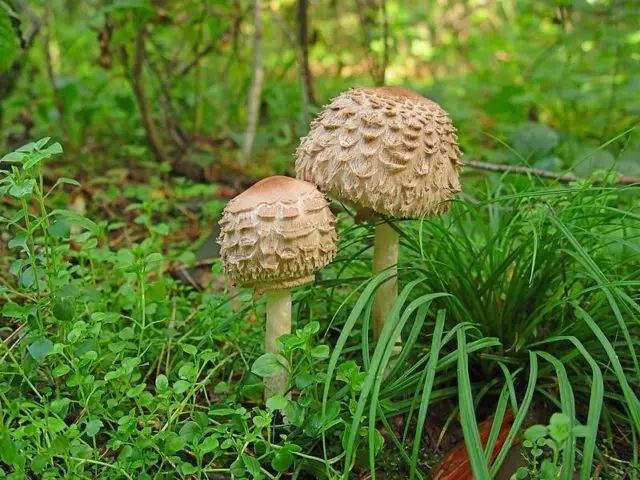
x=562 y=178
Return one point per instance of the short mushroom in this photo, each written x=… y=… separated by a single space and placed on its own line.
x=390 y=150
x=274 y=236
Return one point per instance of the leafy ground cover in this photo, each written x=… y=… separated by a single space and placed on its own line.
x=114 y=366
x=124 y=352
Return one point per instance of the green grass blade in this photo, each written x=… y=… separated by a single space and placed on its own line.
x=382 y=355
x=365 y=297
x=522 y=412
x=426 y=389
x=595 y=404
x=632 y=401
x=373 y=370
x=501 y=408
x=596 y=273
x=467 y=413
x=568 y=408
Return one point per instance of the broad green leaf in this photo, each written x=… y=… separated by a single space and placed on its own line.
x=93 y=427
x=40 y=349
x=277 y=402
x=267 y=365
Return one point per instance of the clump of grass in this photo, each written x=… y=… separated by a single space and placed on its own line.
x=537 y=286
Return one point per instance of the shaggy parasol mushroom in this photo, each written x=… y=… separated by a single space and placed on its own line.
x=390 y=150
x=274 y=236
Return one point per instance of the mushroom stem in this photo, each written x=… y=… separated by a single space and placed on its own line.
x=278 y=323
x=385 y=255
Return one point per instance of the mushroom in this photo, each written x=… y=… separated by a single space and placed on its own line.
x=389 y=150
x=274 y=236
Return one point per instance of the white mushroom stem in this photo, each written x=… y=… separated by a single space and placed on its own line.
x=385 y=257
x=278 y=323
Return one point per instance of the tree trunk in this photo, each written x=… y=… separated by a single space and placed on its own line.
x=303 y=39
x=153 y=137
x=255 y=94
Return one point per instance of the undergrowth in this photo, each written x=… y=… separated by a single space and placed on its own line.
x=523 y=302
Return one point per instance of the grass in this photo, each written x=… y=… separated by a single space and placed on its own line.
x=111 y=366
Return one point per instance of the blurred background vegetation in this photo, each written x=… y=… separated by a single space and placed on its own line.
x=137 y=82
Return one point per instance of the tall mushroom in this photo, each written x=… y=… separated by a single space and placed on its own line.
x=390 y=150
x=274 y=236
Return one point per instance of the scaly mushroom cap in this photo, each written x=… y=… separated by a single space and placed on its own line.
x=387 y=149
x=277 y=234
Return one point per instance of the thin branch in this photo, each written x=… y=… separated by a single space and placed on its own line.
x=559 y=177
x=196 y=59
x=135 y=77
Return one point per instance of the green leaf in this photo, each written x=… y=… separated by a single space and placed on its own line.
x=64 y=309
x=535 y=432
x=188 y=469
x=59 y=229
x=126 y=333
x=559 y=427
x=61 y=370
x=181 y=386
x=9 y=42
x=40 y=349
x=190 y=432
x=277 y=402
x=162 y=383
x=93 y=427
x=153 y=261
x=8 y=451
x=320 y=352
x=12 y=157
x=55 y=424
x=22 y=188
x=282 y=460
x=76 y=219
x=267 y=365
x=188 y=372
x=39 y=463
x=135 y=392
x=174 y=443
x=253 y=465
x=209 y=444
x=189 y=349
x=66 y=181
x=312 y=328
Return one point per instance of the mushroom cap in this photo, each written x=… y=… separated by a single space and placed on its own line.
x=388 y=149
x=277 y=234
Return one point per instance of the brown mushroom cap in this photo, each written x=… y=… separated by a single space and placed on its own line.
x=387 y=149
x=277 y=234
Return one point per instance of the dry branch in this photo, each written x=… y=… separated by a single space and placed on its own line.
x=559 y=177
x=135 y=77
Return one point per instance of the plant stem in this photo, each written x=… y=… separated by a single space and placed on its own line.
x=278 y=323
x=385 y=257
x=143 y=310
